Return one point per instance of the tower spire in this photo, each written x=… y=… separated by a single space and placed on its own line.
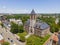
x=33 y=12
x=33 y=15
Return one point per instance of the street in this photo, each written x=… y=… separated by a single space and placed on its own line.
x=8 y=36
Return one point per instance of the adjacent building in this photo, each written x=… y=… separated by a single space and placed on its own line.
x=36 y=26
x=1 y=39
x=57 y=21
x=18 y=21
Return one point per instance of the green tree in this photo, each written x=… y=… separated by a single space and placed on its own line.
x=20 y=29
x=56 y=29
x=2 y=25
x=14 y=28
x=52 y=29
x=59 y=23
x=24 y=18
x=22 y=38
x=29 y=42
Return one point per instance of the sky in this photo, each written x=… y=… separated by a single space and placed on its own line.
x=25 y=6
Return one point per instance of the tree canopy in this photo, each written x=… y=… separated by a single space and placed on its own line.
x=15 y=28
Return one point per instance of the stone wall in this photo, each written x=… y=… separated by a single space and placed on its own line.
x=37 y=32
x=26 y=28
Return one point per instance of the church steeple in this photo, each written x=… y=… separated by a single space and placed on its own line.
x=33 y=15
x=33 y=12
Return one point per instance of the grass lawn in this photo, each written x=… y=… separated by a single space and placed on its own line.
x=35 y=40
x=22 y=34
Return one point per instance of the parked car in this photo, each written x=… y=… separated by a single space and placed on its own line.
x=8 y=38
x=11 y=40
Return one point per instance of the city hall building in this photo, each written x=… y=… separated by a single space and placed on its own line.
x=36 y=26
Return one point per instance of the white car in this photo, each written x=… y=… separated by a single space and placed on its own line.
x=14 y=44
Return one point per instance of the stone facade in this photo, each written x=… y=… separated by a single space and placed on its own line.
x=35 y=27
x=41 y=33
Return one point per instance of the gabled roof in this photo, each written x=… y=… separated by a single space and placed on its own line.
x=33 y=12
x=41 y=25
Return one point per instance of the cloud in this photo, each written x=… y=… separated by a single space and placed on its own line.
x=6 y=10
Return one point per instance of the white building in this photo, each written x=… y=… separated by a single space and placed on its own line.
x=1 y=38
x=57 y=20
x=19 y=22
x=12 y=20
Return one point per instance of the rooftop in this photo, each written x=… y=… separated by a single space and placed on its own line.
x=38 y=24
x=41 y=25
x=33 y=12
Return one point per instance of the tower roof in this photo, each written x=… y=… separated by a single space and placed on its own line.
x=33 y=12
